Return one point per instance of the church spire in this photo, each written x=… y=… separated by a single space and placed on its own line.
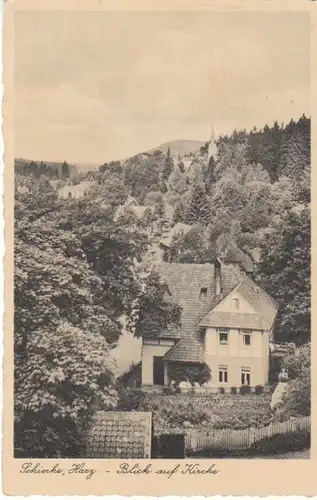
x=212 y=148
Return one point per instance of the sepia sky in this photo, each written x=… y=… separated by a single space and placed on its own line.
x=91 y=87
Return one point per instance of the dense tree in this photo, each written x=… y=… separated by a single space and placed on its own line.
x=297 y=400
x=285 y=273
x=143 y=173
x=152 y=198
x=62 y=330
x=36 y=169
x=177 y=181
x=75 y=278
x=65 y=172
x=179 y=214
x=198 y=209
x=110 y=190
x=155 y=314
x=191 y=247
x=159 y=208
x=209 y=174
x=168 y=165
x=282 y=150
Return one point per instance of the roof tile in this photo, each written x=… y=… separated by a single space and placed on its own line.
x=119 y=435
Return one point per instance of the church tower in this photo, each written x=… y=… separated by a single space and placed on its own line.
x=212 y=148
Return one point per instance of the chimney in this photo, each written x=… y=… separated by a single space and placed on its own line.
x=218 y=287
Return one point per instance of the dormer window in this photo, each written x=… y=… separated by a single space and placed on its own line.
x=235 y=304
x=203 y=293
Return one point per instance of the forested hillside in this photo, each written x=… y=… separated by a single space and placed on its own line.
x=79 y=268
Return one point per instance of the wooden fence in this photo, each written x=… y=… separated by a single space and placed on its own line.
x=228 y=439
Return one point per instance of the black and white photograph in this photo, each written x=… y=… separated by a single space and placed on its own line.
x=162 y=235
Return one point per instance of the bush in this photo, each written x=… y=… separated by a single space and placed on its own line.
x=297 y=400
x=41 y=436
x=130 y=399
x=294 y=363
x=282 y=443
x=193 y=373
x=245 y=389
x=233 y=390
x=217 y=411
x=221 y=390
x=169 y=390
x=259 y=389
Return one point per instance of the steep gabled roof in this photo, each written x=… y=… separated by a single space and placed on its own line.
x=234 y=254
x=260 y=300
x=187 y=350
x=119 y=435
x=185 y=282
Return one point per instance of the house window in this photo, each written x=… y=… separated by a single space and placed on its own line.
x=203 y=293
x=235 y=304
x=223 y=335
x=245 y=376
x=246 y=337
x=223 y=373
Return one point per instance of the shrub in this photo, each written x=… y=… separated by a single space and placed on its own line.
x=245 y=389
x=259 y=389
x=221 y=390
x=298 y=396
x=193 y=373
x=275 y=368
x=294 y=363
x=41 y=436
x=130 y=399
x=168 y=390
x=282 y=443
x=233 y=390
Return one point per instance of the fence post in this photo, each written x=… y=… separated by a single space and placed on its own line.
x=251 y=436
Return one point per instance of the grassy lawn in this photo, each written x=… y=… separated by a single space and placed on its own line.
x=219 y=411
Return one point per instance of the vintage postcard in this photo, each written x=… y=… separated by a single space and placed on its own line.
x=158 y=274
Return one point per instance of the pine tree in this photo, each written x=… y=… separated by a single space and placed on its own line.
x=179 y=213
x=209 y=174
x=65 y=170
x=181 y=166
x=199 y=209
x=159 y=208
x=295 y=149
x=167 y=165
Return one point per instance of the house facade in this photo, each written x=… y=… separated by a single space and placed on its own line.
x=226 y=322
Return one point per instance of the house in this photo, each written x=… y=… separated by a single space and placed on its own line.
x=120 y=435
x=226 y=322
x=133 y=207
x=76 y=190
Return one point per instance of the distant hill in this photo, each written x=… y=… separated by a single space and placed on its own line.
x=180 y=146
x=85 y=167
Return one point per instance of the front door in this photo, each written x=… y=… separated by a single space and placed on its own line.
x=158 y=370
